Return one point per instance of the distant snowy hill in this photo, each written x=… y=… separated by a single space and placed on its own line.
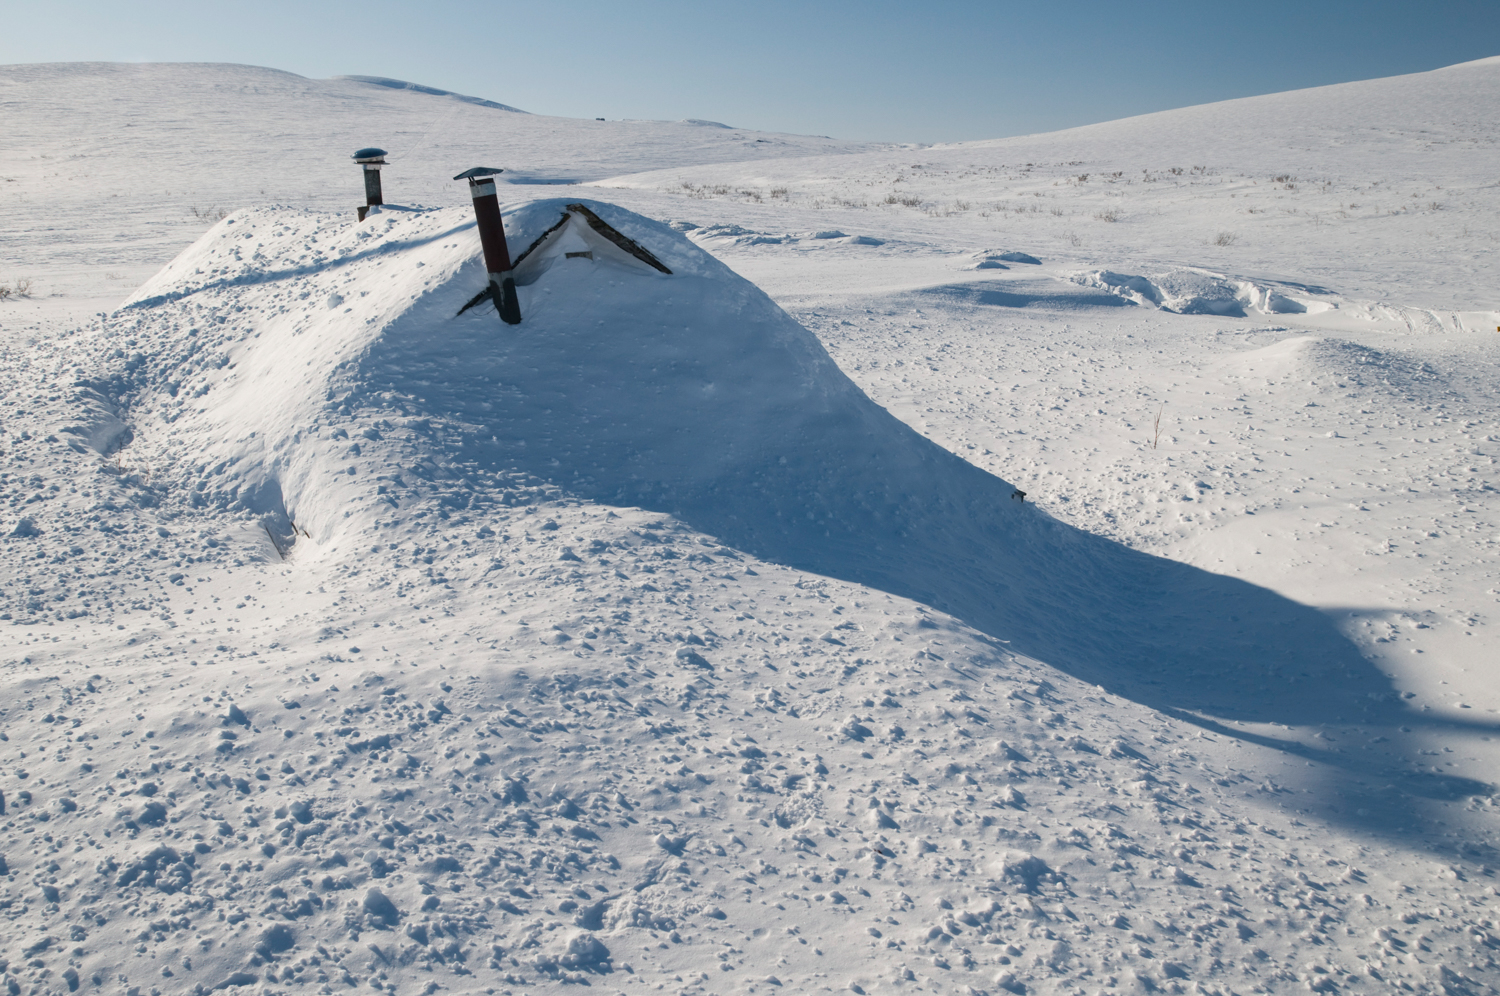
x=1403 y=122
x=160 y=141
x=1384 y=190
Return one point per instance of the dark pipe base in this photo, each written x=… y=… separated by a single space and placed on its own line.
x=509 y=305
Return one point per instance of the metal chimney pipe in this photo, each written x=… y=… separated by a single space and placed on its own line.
x=492 y=238
x=370 y=160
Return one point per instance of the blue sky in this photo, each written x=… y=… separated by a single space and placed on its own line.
x=928 y=72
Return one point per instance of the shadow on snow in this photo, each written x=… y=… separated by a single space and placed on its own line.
x=746 y=430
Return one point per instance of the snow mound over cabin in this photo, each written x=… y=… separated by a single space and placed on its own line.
x=314 y=377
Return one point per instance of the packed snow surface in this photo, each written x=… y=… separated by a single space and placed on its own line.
x=982 y=599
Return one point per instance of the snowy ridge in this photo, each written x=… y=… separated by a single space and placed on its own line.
x=431 y=90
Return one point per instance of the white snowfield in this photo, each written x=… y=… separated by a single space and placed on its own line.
x=983 y=599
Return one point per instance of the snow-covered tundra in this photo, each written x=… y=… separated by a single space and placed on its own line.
x=1057 y=564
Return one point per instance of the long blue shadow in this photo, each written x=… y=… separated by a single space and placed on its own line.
x=729 y=415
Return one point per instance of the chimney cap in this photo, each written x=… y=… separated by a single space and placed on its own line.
x=478 y=171
x=370 y=155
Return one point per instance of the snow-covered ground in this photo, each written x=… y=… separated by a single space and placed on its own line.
x=694 y=635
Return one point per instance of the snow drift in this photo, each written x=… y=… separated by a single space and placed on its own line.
x=312 y=375
x=1193 y=291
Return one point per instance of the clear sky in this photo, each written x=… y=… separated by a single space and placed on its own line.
x=940 y=70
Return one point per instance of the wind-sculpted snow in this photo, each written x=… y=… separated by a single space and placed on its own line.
x=692 y=395
x=1202 y=292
